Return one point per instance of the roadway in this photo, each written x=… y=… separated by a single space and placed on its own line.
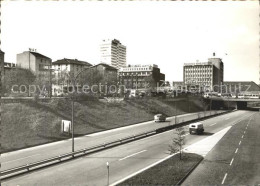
x=235 y=160
x=124 y=160
x=34 y=154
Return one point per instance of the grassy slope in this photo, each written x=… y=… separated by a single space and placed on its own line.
x=33 y=123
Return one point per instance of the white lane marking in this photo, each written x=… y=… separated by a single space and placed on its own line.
x=19 y=159
x=213 y=124
x=223 y=181
x=243 y=118
x=239 y=143
x=246 y=128
x=131 y=155
x=227 y=118
x=236 y=150
x=242 y=136
x=135 y=173
x=231 y=161
x=149 y=166
x=244 y=132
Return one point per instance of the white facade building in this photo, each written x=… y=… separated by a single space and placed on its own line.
x=113 y=53
x=66 y=70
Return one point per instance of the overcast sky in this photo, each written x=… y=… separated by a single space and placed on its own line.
x=164 y=33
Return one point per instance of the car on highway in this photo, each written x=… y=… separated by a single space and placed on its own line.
x=196 y=128
x=141 y=94
x=159 y=117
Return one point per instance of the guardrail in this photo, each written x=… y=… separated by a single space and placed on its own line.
x=33 y=166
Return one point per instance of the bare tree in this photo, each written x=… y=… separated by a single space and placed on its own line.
x=177 y=141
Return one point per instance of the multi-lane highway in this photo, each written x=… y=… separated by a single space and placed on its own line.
x=123 y=160
x=235 y=160
x=34 y=154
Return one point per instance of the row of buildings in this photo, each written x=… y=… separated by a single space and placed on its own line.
x=112 y=69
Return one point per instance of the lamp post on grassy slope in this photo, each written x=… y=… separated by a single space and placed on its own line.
x=73 y=80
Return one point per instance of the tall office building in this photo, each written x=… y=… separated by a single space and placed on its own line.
x=207 y=75
x=113 y=53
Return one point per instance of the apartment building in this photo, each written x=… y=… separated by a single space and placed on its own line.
x=66 y=70
x=37 y=63
x=107 y=72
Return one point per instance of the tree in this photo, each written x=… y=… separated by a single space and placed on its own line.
x=18 y=77
x=177 y=141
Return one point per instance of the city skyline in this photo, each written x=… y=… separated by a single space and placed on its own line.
x=178 y=33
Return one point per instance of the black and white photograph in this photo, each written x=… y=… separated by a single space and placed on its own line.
x=129 y=92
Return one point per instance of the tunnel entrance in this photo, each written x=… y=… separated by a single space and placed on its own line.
x=241 y=105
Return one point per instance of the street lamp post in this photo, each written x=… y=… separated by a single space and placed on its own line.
x=72 y=105
x=107 y=173
x=72 y=122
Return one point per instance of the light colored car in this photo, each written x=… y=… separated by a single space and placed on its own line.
x=196 y=128
x=159 y=117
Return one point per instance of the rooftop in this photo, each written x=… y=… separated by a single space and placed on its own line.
x=106 y=65
x=36 y=54
x=70 y=61
x=197 y=63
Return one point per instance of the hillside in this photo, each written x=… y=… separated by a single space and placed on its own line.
x=32 y=123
